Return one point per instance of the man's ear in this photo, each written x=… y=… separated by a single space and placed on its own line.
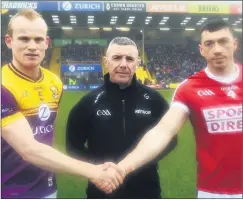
x=8 y=41
x=139 y=61
x=48 y=40
x=201 y=50
x=105 y=61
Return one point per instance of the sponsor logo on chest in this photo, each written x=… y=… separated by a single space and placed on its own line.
x=143 y=112
x=224 y=119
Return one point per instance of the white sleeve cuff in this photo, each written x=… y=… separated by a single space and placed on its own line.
x=181 y=105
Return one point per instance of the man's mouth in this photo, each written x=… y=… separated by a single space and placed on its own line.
x=31 y=55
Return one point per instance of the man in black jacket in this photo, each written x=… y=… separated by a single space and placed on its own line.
x=113 y=118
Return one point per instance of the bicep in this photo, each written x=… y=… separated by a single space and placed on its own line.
x=19 y=136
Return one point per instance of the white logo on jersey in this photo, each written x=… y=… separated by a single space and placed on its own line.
x=103 y=112
x=42 y=130
x=230 y=91
x=224 y=119
x=205 y=93
x=146 y=96
x=144 y=112
x=50 y=182
x=231 y=94
x=44 y=112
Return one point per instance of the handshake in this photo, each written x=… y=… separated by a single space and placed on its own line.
x=108 y=176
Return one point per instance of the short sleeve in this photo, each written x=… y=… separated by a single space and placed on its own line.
x=9 y=107
x=179 y=98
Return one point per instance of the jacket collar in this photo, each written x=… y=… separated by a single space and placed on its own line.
x=114 y=86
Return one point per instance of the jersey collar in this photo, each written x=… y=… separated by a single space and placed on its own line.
x=227 y=79
x=24 y=76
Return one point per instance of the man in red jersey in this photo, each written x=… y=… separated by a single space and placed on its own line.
x=212 y=100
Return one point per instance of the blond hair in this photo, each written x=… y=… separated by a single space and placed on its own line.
x=29 y=14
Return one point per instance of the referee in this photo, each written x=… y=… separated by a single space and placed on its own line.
x=113 y=118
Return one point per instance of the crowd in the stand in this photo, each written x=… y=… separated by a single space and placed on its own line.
x=82 y=53
x=174 y=63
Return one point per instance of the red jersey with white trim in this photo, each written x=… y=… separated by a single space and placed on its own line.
x=215 y=110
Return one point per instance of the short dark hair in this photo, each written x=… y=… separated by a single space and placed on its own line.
x=216 y=25
x=123 y=41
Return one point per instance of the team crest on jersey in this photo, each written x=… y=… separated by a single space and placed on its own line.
x=230 y=91
x=54 y=92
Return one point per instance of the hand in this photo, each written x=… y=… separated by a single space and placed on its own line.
x=108 y=176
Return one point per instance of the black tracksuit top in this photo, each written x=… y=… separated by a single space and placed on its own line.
x=112 y=121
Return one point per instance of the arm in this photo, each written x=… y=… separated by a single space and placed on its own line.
x=162 y=108
x=40 y=154
x=17 y=132
x=77 y=129
x=156 y=139
x=48 y=158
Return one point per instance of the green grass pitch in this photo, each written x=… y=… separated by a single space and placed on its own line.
x=177 y=171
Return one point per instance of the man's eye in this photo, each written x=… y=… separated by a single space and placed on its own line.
x=39 y=39
x=223 y=42
x=208 y=44
x=24 y=39
x=130 y=59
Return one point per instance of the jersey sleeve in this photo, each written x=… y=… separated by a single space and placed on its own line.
x=9 y=107
x=180 y=97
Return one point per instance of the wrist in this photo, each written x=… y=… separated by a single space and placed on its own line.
x=90 y=171
x=128 y=167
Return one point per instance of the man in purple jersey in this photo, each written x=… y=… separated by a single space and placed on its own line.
x=30 y=100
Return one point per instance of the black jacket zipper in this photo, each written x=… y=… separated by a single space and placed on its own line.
x=124 y=120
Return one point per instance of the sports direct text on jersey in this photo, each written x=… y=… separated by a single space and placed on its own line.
x=224 y=119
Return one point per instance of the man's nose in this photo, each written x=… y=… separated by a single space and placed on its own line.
x=123 y=62
x=32 y=45
x=217 y=49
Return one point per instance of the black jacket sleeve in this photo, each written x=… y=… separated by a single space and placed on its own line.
x=162 y=107
x=78 y=128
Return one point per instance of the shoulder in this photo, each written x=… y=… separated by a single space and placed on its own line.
x=191 y=81
x=5 y=69
x=7 y=95
x=7 y=75
x=9 y=81
x=92 y=97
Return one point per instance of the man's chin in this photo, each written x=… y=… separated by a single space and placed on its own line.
x=31 y=64
x=220 y=65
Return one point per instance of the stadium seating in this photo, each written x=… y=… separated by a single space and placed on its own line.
x=84 y=53
x=174 y=62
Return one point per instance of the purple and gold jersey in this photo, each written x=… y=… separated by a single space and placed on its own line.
x=37 y=101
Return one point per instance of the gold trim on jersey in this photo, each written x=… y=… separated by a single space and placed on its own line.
x=24 y=76
x=50 y=105
x=36 y=113
x=36 y=110
x=12 y=118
